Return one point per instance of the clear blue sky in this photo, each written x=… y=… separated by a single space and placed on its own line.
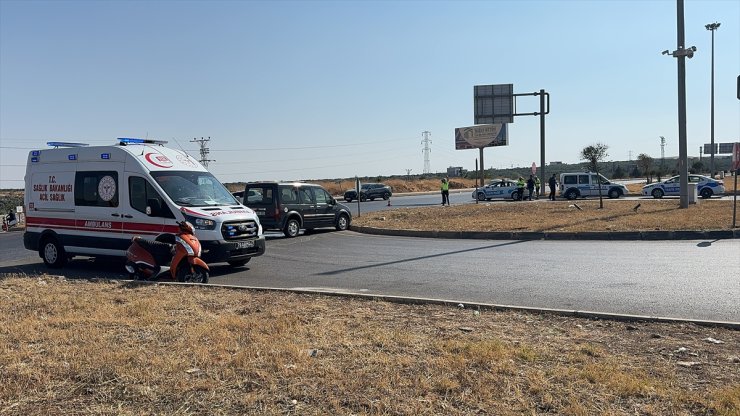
x=325 y=89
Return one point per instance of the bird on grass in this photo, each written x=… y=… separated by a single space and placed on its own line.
x=636 y=207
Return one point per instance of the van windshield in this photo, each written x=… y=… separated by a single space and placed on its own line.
x=193 y=189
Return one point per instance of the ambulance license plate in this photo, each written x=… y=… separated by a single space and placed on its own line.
x=245 y=244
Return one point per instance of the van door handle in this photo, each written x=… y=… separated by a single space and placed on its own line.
x=127 y=216
x=116 y=215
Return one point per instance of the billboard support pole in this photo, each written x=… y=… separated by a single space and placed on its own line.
x=481 y=167
x=734 y=202
x=542 y=137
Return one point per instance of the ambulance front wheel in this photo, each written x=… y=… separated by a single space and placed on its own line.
x=53 y=253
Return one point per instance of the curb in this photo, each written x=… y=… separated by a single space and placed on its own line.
x=534 y=235
x=465 y=305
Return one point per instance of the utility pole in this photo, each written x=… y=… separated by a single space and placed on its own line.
x=204 y=151
x=426 y=141
x=700 y=153
x=630 y=155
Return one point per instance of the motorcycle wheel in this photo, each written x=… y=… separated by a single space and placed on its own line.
x=198 y=274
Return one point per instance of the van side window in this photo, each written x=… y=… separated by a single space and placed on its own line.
x=96 y=189
x=289 y=195
x=141 y=191
x=570 y=179
x=583 y=180
x=259 y=196
x=306 y=196
x=321 y=196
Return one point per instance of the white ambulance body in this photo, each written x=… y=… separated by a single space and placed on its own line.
x=91 y=201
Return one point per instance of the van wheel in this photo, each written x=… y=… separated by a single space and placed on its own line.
x=342 y=222
x=572 y=194
x=657 y=193
x=53 y=253
x=292 y=228
x=348 y=199
x=614 y=193
x=386 y=196
x=706 y=193
x=239 y=263
x=363 y=198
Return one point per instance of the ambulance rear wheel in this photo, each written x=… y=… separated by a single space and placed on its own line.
x=53 y=253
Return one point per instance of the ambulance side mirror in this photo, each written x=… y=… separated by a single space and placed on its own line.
x=153 y=207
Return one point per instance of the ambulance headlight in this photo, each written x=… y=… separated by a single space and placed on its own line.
x=201 y=223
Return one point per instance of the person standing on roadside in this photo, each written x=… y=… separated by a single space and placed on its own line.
x=520 y=188
x=530 y=186
x=445 y=188
x=536 y=187
x=553 y=184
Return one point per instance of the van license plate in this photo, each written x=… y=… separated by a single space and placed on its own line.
x=245 y=244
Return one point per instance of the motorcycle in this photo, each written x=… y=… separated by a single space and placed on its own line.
x=177 y=254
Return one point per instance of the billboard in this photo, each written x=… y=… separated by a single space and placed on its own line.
x=719 y=148
x=493 y=104
x=487 y=135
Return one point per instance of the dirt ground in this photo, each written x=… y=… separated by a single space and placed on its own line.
x=109 y=347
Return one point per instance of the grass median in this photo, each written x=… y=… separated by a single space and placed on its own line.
x=561 y=215
x=83 y=347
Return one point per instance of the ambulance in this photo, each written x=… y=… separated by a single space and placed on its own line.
x=91 y=200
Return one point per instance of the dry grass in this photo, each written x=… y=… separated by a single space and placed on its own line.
x=79 y=347
x=547 y=216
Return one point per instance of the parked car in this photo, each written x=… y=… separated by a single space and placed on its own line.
x=502 y=188
x=705 y=187
x=582 y=184
x=369 y=191
x=290 y=207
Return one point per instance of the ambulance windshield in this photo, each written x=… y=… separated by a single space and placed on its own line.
x=193 y=189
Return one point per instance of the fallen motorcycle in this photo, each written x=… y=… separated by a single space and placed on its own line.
x=177 y=254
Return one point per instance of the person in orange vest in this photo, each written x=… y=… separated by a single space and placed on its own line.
x=445 y=188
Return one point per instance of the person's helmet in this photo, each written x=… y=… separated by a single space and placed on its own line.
x=186 y=227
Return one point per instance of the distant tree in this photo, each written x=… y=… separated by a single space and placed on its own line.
x=697 y=167
x=618 y=173
x=593 y=155
x=645 y=163
x=635 y=172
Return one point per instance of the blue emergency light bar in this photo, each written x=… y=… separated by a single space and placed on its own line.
x=66 y=144
x=127 y=140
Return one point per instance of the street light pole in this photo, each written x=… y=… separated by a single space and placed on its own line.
x=712 y=27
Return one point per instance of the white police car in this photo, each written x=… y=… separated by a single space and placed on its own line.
x=705 y=187
x=502 y=188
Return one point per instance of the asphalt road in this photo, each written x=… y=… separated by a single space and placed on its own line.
x=679 y=279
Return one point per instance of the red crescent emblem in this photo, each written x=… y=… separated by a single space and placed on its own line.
x=158 y=159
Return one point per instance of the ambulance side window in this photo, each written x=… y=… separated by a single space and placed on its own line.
x=140 y=191
x=96 y=189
